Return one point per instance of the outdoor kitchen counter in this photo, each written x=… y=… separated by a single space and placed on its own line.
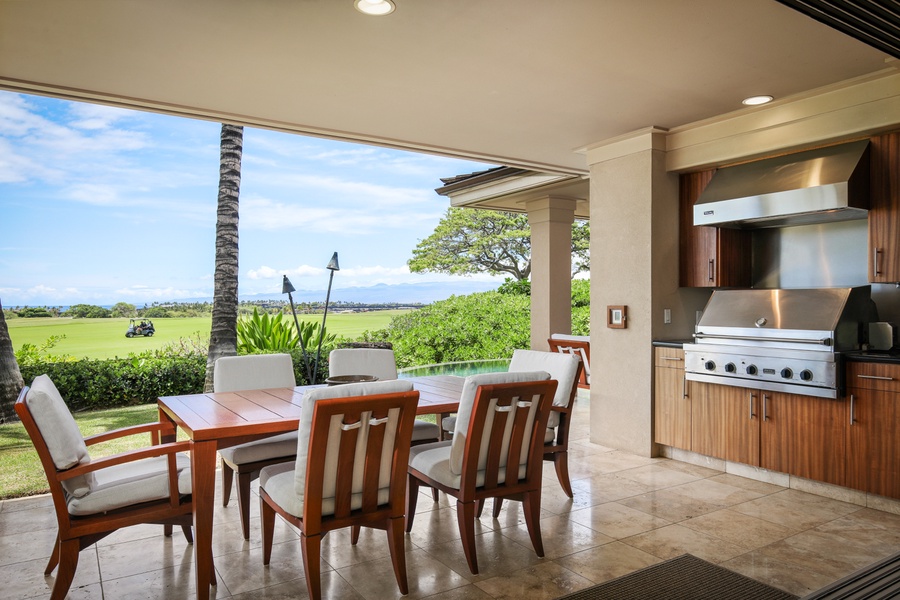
x=670 y=343
x=873 y=357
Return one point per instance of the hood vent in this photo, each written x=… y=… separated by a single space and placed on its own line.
x=816 y=186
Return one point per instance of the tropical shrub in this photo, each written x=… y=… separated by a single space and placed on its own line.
x=87 y=311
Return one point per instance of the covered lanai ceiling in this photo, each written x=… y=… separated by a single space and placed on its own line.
x=512 y=82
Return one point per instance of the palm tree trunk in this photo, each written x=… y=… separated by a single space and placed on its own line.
x=11 y=382
x=223 y=337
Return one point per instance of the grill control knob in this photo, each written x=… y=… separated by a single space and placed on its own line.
x=730 y=368
x=752 y=370
x=787 y=373
x=709 y=365
x=806 y=375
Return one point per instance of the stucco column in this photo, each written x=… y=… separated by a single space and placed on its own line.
x=551 y=221
x=634 y=263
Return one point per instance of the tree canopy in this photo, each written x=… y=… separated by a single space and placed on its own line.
x=468 y=241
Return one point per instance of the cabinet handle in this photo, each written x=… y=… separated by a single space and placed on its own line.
x=672 y=358
x=852 y=401
x=684 y=393
x=875 y=377
x=751 y=405
x=765 y=407
x=875 y=268
x=710 y=269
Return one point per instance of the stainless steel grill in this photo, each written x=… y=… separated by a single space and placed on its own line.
x=779 y=340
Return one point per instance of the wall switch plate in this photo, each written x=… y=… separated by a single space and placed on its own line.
x=667 y=315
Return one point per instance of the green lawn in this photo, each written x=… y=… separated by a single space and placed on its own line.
x=105 y=338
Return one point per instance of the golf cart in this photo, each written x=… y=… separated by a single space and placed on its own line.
x=144 y=328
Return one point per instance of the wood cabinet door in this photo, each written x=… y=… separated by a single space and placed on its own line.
x=805 y=436
x=672 y=409
x=725 y=422
x=884 y=209
x=873 y=461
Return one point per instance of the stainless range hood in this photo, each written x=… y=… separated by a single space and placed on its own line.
x=815 y=186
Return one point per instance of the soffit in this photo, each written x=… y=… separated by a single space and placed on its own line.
x=516 y=83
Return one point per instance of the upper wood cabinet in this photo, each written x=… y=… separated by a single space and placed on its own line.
x=710 y=256
x=884 y=209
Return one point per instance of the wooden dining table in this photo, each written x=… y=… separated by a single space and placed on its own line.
x=219 y=420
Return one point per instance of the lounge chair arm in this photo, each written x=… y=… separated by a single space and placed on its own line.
x=124 y=457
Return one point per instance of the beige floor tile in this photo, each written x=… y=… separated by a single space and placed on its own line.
x=466 y=592
x=426 y=575
x=675 y=540
x=761 y=487
x=496 y=555
x=617 y=520
x=142 y=556
x=778 y=573
x=797 y=510
x=685 y=467
x=716 y=492
x=372 y=545
x=829 y=554
x=555 y=501
x=17 y=504
x=739 y=529
x=19 y=547
x=334 y=587
x=604 y=563
x=658 y=476
x=867 y=526
x=608 y=487
x=26 y=579
x=669 y=505
x=31 y=519
x=244 y=571
x=541 y=582
x=560 y=536
x=162 y=584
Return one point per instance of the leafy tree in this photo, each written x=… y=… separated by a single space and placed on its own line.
x=468 y=241
x=87 y=311
x=30 y=312
x=11 y=382
x=223 y=335
x=123 y=309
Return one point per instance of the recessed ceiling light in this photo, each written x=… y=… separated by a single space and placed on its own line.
x=757 y=100
x=377 y=8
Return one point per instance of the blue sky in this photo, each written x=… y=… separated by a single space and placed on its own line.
x=100 y=205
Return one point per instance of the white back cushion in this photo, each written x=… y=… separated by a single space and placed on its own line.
x=59 y=430
x=306 y=414
x=363 y=361
x=253 y=372
x=464 y=414
x=562 y=368
x=574 y=338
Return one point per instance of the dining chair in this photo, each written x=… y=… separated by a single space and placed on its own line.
x=566 y=369
x=500 y=415
x=574 y=344
x=253 y=372
x=94 y=497
x=352 y=455
x=382 y=364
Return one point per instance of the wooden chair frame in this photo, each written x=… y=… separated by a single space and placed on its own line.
x=558 y=450
x=313 y=525
x=76 y=533
x=470 y=497
x=577 y=348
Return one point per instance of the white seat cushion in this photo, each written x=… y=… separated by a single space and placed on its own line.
x=425 y=430
x=278 y=446
x=131 y=483
x=433 y=461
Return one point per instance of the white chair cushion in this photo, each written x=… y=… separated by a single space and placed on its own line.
x=131 y=483
x=60 y=432
x=573 y=338
x=278 y=446
x=253 y=372
x=433 y=460
x=562 y=368
x=584 y=358
x=425 y=430
x=306 y=413
x=449 y=423
x=363 y=361
x=466 y=404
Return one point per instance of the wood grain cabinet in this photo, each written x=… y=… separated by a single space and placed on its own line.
x=873 y=463
x=672 y=399
x=725 y=422
x=709 y=256
x=884 y=209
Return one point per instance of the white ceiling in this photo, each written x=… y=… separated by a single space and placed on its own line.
x=515 y=82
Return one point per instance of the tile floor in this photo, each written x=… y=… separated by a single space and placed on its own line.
x=628 y=512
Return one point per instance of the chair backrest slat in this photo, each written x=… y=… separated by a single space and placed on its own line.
x=375 y=448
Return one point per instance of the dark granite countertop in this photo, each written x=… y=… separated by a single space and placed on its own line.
x=671 y=343
x=874 y=356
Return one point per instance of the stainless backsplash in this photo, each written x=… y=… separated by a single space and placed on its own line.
x=823 y=255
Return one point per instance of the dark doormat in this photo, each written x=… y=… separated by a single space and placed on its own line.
x=683 y=578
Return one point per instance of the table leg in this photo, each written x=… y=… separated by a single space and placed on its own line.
x=203 y=482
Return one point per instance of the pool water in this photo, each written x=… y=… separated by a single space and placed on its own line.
x=462 y=369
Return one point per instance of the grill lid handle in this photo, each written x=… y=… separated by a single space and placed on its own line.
x=820 y=342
